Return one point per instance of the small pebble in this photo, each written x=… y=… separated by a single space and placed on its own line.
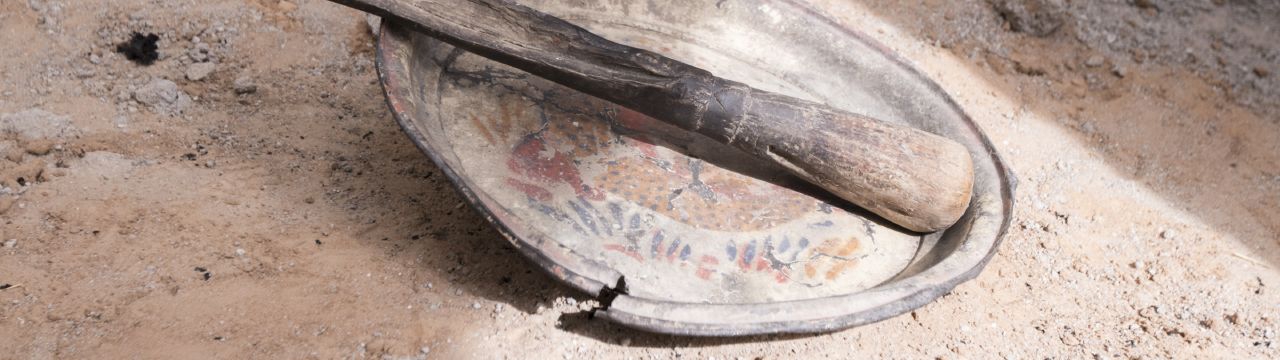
x=11 y=243
x=199 y=71
x=244 y=85
x=6 y=202
x=39 y=147
x=1094 y=61
x=199 y=52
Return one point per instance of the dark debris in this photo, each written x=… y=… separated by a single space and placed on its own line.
x=204 y=273
x=140 y=49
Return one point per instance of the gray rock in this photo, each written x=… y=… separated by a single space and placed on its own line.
x=85 y=73
x=1033 y=17
x=244 y=85
x=36 y=123
x=199 y=52
x=163 y=96
x=200 y=71
x=1094 y=61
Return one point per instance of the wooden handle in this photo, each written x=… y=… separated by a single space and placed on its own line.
x=915 y=179
x=912 y=178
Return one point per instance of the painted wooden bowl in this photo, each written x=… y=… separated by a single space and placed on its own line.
x=674 y=233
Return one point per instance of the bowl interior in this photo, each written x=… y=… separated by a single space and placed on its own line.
x=597 y=193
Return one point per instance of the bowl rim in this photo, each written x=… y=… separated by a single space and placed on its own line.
x=813 y=315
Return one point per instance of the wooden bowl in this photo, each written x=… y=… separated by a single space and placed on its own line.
x=675 y=233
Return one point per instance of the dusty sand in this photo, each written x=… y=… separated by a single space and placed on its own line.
x=297 y=221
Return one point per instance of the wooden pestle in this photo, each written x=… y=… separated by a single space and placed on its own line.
x=918 y=180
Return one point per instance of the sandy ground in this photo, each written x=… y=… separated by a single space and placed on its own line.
x=271 y=208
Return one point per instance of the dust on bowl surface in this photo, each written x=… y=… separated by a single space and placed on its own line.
x=600 y=192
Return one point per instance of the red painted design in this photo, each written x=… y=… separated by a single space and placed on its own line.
x=534 y=191
x=704 y=271
x=527 y=159
x=625 y=251
x=781 y=276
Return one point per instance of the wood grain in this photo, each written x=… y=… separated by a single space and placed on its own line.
x=912 y=178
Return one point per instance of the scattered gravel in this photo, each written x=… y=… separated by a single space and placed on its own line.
x=1034 y=17
x=199 y=52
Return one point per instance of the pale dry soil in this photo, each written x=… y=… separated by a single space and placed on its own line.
x=297 y=221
